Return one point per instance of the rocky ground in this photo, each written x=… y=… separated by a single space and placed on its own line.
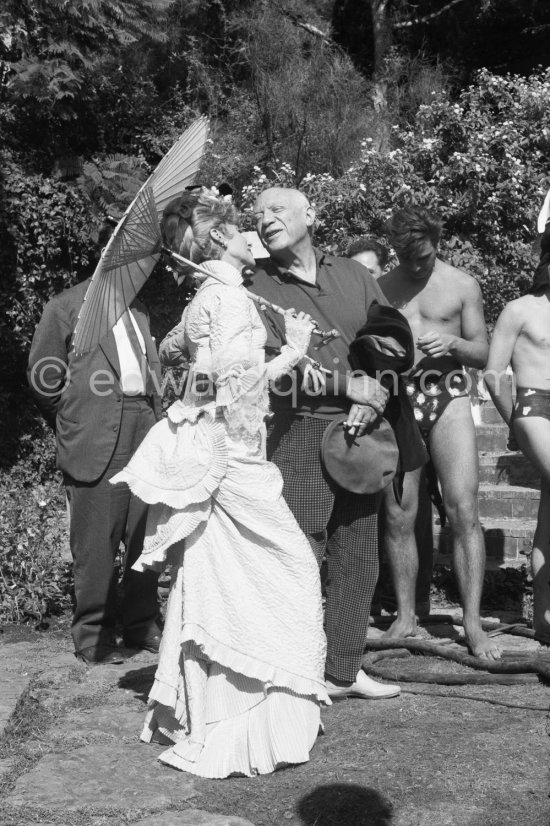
x=436 y=756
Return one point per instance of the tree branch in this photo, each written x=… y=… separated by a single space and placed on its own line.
x=308 y=27
x=418 y=20
x=535 y=29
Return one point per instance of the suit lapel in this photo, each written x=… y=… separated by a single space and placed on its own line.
x=107 y=343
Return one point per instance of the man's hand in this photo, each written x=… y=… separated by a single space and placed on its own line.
x=436 y=344
x=366 y=390
x=314 y=380
x=359 y=418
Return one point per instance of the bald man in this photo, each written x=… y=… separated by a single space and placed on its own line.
x=337 y=293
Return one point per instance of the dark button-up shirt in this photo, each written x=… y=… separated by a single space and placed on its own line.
x=339 y=299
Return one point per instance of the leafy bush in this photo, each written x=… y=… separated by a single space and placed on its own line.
x=35 y=579
x=52 y=48
x=46 y=243
x=479 y=162
x=310 y=102
x=26 y=439
x=36 y=582
x=111 y=182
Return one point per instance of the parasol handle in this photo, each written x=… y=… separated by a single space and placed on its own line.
x=263 y=302
x=325 y=335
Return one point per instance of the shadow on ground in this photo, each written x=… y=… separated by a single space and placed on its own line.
x=139 y=681
x=342 y=804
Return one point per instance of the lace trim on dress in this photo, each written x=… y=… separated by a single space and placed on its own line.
x=198 y=643
x=242 y=393
x=278 y=731
x=166 y=527
x=178 y=465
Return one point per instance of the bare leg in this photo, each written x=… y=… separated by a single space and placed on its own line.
x=402 y=553
x=423 y=532
x=533 y=435
x=540 y=568
x=454 y=453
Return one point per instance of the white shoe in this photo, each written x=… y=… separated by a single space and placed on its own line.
x=364 y=687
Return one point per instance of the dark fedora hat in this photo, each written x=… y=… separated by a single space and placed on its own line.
x=360 y=464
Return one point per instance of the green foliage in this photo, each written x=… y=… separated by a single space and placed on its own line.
x=152 y=135
x=35 y=582
x=501 y=35
x=111 y=183
x=46 y=244
x=412 y=81
x=26 y=439
x=481 y=162
x=77 y=76
x=310 y=101
x=51 y=46
x=35 y=577
x=205 y=49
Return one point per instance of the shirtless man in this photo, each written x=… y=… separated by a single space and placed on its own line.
x=522 y=339
x=444 y=309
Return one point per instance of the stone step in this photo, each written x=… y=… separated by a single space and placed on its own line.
x=506 y=468
x=489 y=414
x=507 y=542
x=508 y=502
x=492 y=438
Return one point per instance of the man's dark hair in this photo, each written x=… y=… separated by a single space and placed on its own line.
x=410 y=226
x=366 y=244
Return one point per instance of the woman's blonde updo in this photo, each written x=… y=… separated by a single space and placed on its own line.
x=188 y=219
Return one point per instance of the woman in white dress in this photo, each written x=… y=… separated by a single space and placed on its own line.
x=240 y=680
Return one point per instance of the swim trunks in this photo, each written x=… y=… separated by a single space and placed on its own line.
x=531 y=401
x=431 y=392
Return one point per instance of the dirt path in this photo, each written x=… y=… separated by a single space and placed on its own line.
x=70 y=756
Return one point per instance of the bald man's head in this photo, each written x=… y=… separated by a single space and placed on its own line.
x=287 y=193
x=284 y=219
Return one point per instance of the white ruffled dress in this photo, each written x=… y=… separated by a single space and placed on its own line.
x=240 y=679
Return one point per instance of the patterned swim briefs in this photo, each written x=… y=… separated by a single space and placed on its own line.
x=430 y=393
x=531 y=401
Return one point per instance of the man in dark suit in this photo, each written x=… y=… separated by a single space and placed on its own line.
x=100 y=405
